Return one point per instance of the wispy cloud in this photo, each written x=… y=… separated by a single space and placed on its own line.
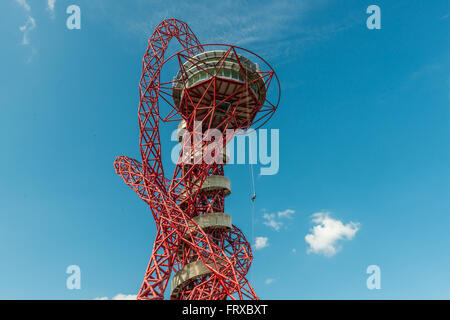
x=51 y=4
x=225 y=21
x=29 y=25
x=286 y=213
x=24 y=4
x=51 y=7
x=326 y=234
x=265 y=27
x=274 y=220
x=261 y=242
x=119 y=296
x=269 y=281
x=270 y=221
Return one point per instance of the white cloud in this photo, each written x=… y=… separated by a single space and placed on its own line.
x=269 y=281
x=273 y=220
x=327 y=233
x=286 y=213
x=29 y=25
x=26 y=28
x=51 y=8
x=51 y=5
x=294 y=251
x=256 y=27
x=24 y=4
x=261 y=242
x=270 y=35
x=233 y=27
x=119 y=296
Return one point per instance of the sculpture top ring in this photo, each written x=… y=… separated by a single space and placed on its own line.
x=226 y=86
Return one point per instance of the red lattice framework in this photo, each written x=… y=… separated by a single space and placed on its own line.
x=174 y=203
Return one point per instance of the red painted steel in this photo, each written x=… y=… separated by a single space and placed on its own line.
x=174 y=203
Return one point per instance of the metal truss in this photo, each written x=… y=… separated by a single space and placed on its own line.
x=208 y=263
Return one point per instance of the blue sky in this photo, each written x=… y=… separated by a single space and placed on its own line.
x=364 y=138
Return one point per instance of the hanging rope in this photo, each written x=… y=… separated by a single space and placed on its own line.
x=253 y=192
x=252 y=184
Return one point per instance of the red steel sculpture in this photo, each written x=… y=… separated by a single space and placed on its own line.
x=218 y=92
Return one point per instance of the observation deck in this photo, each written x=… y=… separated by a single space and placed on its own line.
x=229 y=83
